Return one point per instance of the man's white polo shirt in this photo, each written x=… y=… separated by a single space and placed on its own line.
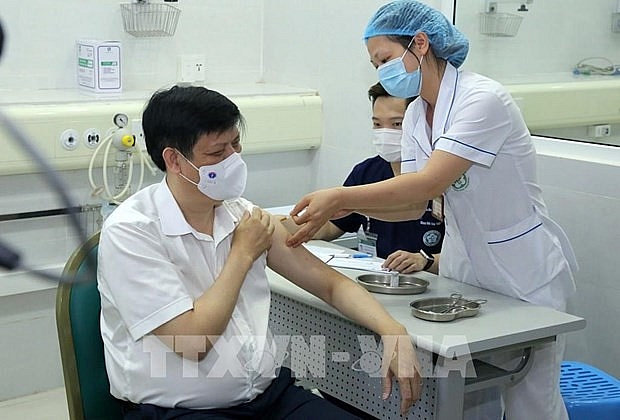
x=152 y=266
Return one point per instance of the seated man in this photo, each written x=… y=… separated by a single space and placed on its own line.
x=184 y=293
x=407 y=246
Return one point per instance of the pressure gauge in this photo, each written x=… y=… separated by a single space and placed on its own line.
x=121 y=120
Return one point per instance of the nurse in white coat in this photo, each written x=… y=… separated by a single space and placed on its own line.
x=466 y=146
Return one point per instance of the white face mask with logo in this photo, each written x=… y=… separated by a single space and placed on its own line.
x=224 y=180
x=387 y=143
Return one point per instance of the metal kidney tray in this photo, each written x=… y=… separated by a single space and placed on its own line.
x=380 y=283
x=444 y=309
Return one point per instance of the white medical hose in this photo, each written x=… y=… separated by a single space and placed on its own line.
x=109 y=195
x=116 y=139
x=144 y=162
x=96 y=189
x=604 y=66
x=105 y=192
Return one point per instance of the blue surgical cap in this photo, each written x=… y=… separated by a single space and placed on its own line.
x=409 y=17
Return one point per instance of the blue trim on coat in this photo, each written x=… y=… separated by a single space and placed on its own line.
x=515 y=237
x=468 y=145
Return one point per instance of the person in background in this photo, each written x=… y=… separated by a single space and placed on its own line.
x=464 y=140
x=407 y=246
x=181 y=273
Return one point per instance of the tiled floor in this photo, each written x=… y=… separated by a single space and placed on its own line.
x=49 y=405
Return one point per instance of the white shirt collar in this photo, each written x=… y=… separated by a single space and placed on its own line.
x=445 y=98
x=173 y=222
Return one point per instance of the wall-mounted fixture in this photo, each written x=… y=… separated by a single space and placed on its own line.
x=502 y=24
x=615 y=19
x=145 y=19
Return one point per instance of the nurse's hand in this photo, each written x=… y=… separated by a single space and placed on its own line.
x=405 y=367
x=404 y=262
x=313 y=211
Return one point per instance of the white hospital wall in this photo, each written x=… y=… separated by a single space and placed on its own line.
x=40 y=42
x=554 y=35
x=581 y=188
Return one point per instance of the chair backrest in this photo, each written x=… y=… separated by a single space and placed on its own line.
x=81 y=348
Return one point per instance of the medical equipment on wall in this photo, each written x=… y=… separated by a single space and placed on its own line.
x=598 y=66
x=122 y=143
x=502 y=24
x=145 y=19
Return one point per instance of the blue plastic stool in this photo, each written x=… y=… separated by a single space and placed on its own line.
x=589 y=393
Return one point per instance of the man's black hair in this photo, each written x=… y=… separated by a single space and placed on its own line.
x=179 y=116
x=377 y=91
x=1 y=39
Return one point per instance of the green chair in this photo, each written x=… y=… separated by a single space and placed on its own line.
x=81 y=348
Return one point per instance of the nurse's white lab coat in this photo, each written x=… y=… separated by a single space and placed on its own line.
x=498 y=232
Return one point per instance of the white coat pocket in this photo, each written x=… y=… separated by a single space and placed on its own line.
x=525 y=256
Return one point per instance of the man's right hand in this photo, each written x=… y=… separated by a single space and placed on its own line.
x=254 y=232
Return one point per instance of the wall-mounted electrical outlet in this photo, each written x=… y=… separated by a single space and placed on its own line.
x=69 y=139
x=599 y=130
x=191 y=68
x=91 y=138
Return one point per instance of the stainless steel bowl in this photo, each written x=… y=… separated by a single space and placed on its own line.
x=444 y=309
x=381 y=283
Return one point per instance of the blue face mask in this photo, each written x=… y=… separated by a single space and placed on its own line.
x=397 y=81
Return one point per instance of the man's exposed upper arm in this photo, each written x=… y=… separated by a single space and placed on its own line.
x=297 y=264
